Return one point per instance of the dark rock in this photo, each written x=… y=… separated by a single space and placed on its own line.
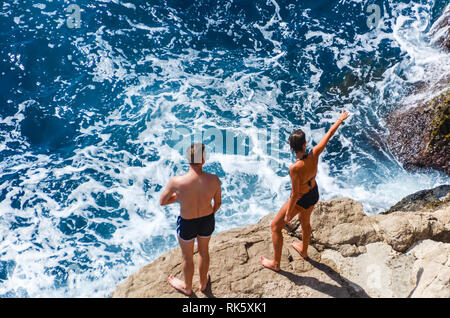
x=420 y=136
x=431 y=199
x=419 y=132
x=440 y=30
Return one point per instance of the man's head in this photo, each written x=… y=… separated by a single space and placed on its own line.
x=297 y=141
x=195 y=154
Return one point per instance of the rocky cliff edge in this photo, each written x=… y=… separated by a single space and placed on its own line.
x=404 y=253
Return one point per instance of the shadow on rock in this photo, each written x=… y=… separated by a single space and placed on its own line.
x=343 y=289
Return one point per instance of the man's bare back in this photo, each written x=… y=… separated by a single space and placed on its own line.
x=195 y=193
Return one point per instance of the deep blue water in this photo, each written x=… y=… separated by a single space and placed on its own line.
x=92 y=120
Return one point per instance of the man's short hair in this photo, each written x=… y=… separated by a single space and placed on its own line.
x=195 y=153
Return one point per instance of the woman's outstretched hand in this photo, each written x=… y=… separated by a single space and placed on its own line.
x=344 y=115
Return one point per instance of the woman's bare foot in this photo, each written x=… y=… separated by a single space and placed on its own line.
x=179 y=285
x=270 y=264
x=299 y=248
x=203 y=287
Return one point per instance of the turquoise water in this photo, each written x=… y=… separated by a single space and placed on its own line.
x=93 y=115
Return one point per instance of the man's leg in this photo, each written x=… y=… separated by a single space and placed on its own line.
x=304 y=216
x=276 y=226
x=203 y=262
x=187 y=251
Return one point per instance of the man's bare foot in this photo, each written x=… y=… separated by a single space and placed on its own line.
x=203 y=287
x=270 y=264
x=299 y=247
x=179 y=285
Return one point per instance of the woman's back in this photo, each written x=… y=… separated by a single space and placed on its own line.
x=305 y=169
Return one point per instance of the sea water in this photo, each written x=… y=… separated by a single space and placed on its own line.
x=100 y=98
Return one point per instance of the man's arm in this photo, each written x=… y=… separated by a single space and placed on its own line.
x=317 y=150
x=217 y=197
x=169 y=196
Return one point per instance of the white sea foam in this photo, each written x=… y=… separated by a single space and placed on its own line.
x=253 y=184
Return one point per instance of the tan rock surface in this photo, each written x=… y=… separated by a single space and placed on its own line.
x=236 y=271
x=352 y=255
x=432 y=269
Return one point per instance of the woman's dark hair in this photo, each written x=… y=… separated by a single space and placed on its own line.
x=297 y=140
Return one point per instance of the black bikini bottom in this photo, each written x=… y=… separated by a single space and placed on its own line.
x=310 y=198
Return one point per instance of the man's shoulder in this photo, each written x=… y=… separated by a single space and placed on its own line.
x=212 y=177
x=175 y=180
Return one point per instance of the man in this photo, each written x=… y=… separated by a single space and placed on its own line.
x=195 y=190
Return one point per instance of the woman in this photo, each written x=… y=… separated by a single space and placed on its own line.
x=304 y=193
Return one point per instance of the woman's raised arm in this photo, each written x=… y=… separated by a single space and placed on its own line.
x=317 y=150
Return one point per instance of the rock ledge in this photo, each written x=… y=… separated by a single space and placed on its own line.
x=400 y=254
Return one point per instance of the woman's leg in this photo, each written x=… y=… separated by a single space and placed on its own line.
x=304 y=216
x=276 y=226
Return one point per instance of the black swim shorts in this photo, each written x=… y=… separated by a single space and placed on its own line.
x=189 y=229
